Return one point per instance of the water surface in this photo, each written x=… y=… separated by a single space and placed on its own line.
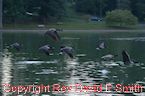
x=31 y=67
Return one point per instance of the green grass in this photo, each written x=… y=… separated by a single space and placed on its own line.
x=65 y=25
x=70 y=26
x=81 y=25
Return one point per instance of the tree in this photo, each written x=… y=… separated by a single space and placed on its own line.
x=138 y=8
x=120 y=18
x=54 y=10
x=14 y=11
x=110 y=5
x=91 y=7
x=45 y=11
x=1 y=15
x=123 y=4
x=51 y=10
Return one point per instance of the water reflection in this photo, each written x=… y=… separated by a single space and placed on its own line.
x=6 y=70
x=78 y=76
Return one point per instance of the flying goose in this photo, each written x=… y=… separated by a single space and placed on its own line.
x=67 y=50
x=46 y=49
x=16 y=46
x=101 y=46
x=53 y=33
x=126 y=57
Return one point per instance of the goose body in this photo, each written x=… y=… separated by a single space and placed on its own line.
x=16 y=46
x=53 y=33
x=126 y=57
x=46 y=49
x=67 y=50
x=101 y=46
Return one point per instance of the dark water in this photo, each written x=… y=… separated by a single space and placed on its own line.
x=30 y=67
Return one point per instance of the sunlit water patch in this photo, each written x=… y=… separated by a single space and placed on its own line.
x=36 y=62
x=81 y=55
x=6 y=71
x=46 y=71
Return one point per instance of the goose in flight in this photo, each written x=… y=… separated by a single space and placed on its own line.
x=53 y=33
x=16 y=46
x=126 y=57
x=67 y=50
x=46 y=49
x=101 y=46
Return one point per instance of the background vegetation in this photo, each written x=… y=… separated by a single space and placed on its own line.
x=52 y=11
x=120 y=18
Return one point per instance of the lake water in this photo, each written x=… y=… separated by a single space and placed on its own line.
x=29 y=67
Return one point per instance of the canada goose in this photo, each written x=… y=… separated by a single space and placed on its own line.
x=126 y=57
x=67 y=50
x=101 y=46
x=46 y=49
x=16 y=46
x=53 y=33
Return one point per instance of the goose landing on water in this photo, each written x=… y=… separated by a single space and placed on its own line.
x=53 y=33
x=16 y=46
x=46 y=49
x=126 y=58
x=67 y=50
x=101 y=46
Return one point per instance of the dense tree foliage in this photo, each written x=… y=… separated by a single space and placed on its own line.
x=123 y=4
x=44 y=11
x=121 y=18
x=93 y=7
x=138 y=8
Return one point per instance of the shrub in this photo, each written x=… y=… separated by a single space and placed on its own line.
x=120 y=18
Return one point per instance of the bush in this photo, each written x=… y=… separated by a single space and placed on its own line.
x=120 y=18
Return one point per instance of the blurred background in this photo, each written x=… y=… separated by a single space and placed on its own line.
x=68 y=14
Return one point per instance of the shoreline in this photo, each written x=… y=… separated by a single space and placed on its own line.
x=73 y=30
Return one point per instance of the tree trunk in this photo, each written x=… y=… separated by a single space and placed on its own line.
x=1 y=24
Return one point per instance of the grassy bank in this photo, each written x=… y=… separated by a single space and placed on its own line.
x=66 y=25
x=69 y=26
